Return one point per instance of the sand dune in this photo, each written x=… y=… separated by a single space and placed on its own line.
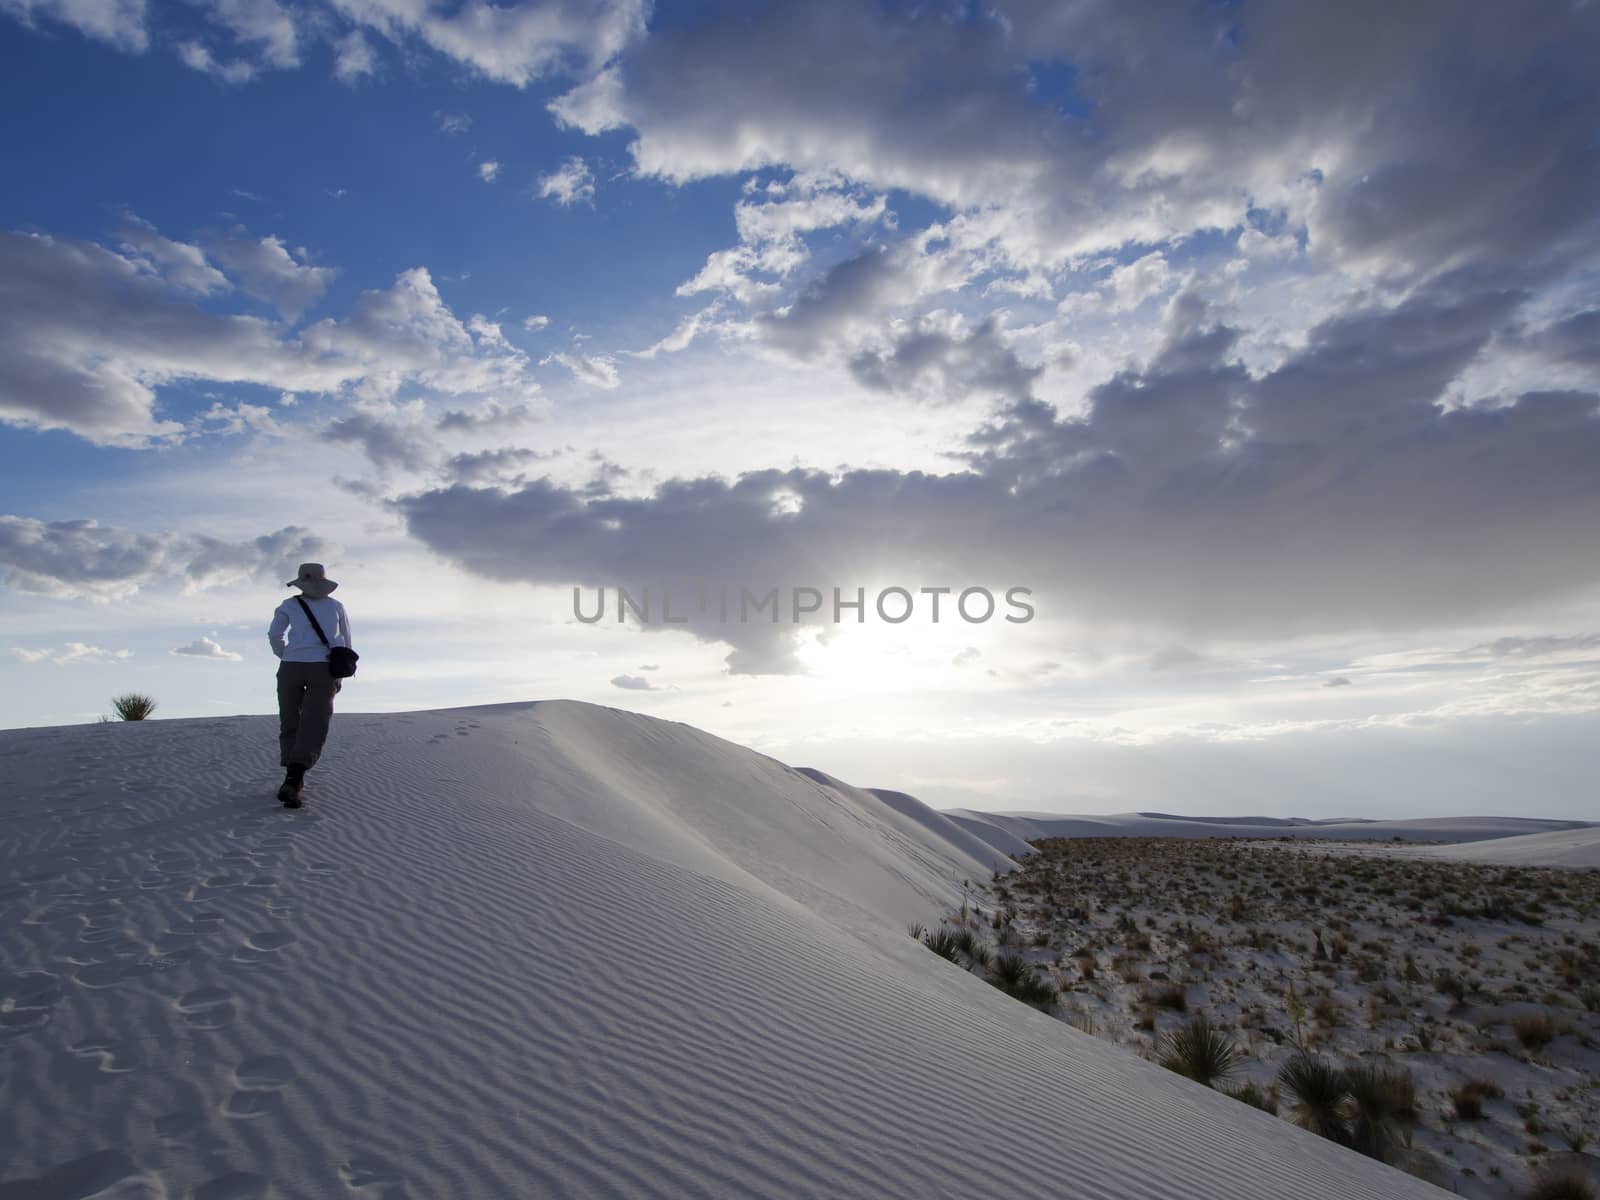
x=543 y=950
x=1033 y=826
x=1558 y=848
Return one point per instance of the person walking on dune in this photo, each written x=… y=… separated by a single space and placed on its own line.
x=311 y=634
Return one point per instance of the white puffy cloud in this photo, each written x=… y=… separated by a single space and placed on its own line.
x=354 y=58
x=72 y=652
x=267 y=270
x=204 y=647
x=121 y=23
x=181 y=264
x=197 y=56
x=535 y=323
x=513 y=43
x=570 y=183
x=488 y=171
x=88 y=336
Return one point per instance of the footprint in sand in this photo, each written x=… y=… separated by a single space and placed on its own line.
x=258 y=1082
x=206 y=1008
x=29 y=1000
x=364 y=1171
x=113 y=1059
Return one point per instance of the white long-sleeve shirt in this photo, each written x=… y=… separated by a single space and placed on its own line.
x=302 y=643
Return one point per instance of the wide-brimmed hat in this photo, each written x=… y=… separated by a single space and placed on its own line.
x=313 y=581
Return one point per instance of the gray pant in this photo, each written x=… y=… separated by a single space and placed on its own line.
x=305 y=706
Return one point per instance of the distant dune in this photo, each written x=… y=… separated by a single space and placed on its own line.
x=1004 y=830
x=543 y=950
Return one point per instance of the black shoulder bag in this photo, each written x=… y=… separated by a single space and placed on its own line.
x=341 y=659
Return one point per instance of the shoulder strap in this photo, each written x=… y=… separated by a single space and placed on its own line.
x=313 y=617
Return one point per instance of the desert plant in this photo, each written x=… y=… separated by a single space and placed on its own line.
x=942 y=942
x=1320 y=1094
x=1015 y=976
x=1560 y=1186
x=1385 y=1104
x=1534 y=1030
x=1466 y=1099
x=134 y=706
x=1249 y=1093
x=1200 y=1051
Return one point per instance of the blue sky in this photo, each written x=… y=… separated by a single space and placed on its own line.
x=1257 y=340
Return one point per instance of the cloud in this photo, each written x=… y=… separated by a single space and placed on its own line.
x=120 y=23
x=515 y=44
x=263 y=26
x=87 y=335
x=267 y=270
x=1189 y=500
x=198 y=57
x=946 y=364
x=83 y=558
x=1337 y=681
x=488 y=171
x=596 y=372
x=354 y=58
x=452 y=123
x=635 y=683
x=491 y=417
x=204 y=647
x=569 y=184
x=536 y=322
x=502 y=466
x=1537 y=647
x=180 y=264
x=72 y=652
x=389 y=443
x=1440 y=148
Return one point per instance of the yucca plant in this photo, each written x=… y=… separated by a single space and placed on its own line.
x=941 y=941
x=1015 y=976
x=1200 y=1051
x=1385 y=1104
x=134 y=706
x=1321 y=1096
x=1563 y=1186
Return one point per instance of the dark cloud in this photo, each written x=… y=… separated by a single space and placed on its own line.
x=952 y=364
x=389 y=443
x=85 y=558
x=1190 y=499
x=1537 y=647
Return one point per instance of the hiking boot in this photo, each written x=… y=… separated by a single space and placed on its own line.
x=289 y=793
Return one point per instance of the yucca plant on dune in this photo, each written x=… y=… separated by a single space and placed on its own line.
x=1200 y=1051
x=942 y=941
x=1015 y=976
x=1321 y=1097
x=133 y=706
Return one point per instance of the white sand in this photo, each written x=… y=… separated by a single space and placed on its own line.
x=546 y=950
x=1006 y=829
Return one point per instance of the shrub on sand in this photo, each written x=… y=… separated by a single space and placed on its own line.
x=1200 y=1051
x=1320 y=1096
x=133 y=706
